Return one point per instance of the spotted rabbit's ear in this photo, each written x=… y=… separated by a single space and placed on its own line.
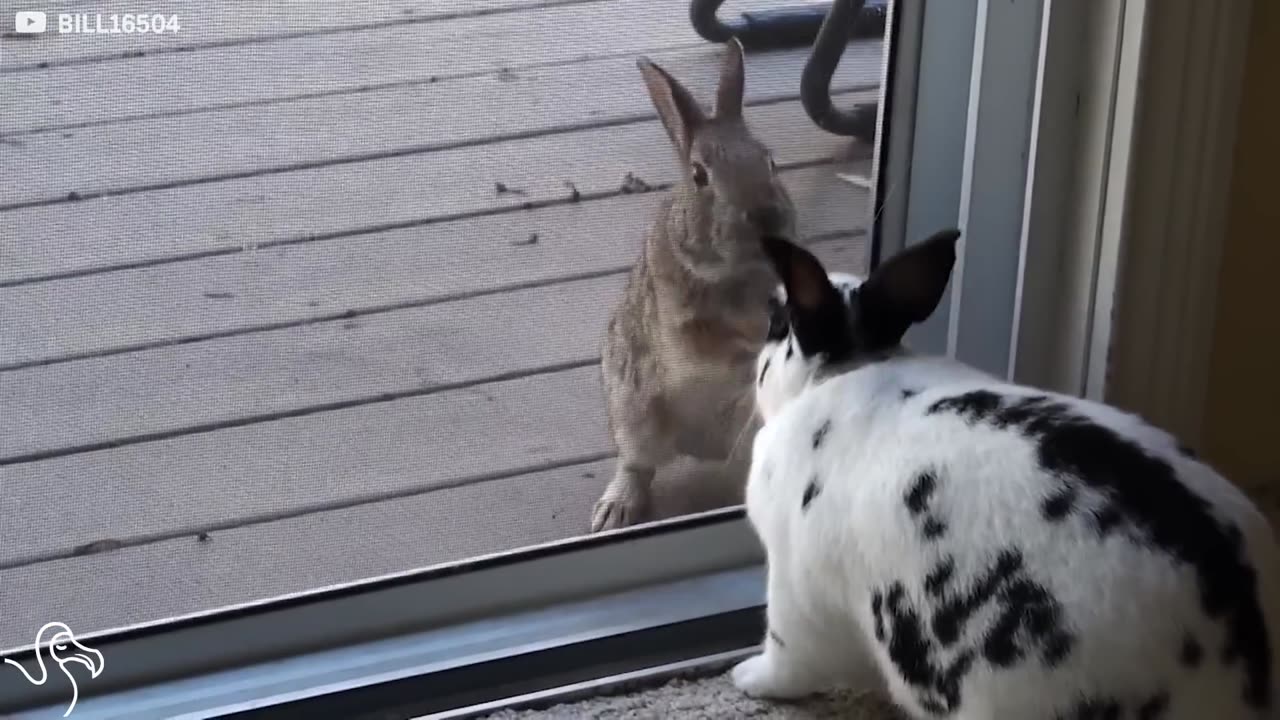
x=904 y=290
x=817 y=310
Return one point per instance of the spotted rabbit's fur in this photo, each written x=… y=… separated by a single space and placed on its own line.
x=982 y=550
x=680 y=346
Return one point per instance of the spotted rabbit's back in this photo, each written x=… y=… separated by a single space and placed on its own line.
x=985 y=550
x=1009 y=553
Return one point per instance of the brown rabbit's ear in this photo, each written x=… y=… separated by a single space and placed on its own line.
x=679 y=112
x=732 y=81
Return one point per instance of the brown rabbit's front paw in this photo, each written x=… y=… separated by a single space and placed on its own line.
x=618 y=509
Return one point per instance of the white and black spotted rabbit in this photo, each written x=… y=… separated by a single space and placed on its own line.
x=982 y=550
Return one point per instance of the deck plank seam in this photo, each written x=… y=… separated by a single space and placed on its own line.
x=433 y=79
x=360 y=312
x=116 y=544
x=256 y=419
x=410 y=150
x=493 y=210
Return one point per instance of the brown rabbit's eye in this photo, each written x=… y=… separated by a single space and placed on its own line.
x=699 y=175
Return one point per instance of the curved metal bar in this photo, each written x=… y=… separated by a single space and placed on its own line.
x=702 y=14
x=784 y=27
x=829 y=27
x=815 y=81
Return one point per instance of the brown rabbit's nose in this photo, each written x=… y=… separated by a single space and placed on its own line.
x=767 y=219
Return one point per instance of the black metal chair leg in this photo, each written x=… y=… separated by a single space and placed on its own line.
x=767 y=29
x=815 y=81
x=829 y=27
x=786 y=27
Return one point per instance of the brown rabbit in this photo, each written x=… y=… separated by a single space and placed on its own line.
x=679 y=352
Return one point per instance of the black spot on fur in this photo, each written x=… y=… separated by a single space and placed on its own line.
x=917 y=498
x=1027 y=610
x=931 y=706
x=1191 y=653
x=1027 y=617
x=821 y=434
x=933 y=528
x=1026 y=621
x=973 y=406
x=908 y=394
x=1188 y=452
x=764 y=370
x=912 y=653
x=949 y=682
x=954 y=614
x=1154 y=708
x=1057 y=647
x=774 y=636
x=1141 y=492
x=1059 y=505
x=1106 y=520
x=935 y=583
x=810 y=492
x=877 y=614
x=908 y=648
x=791 y=348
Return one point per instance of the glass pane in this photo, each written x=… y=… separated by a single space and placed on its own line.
x=296 y=294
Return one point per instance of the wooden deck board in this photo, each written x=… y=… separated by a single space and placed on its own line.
x=311 y=462
x=270 y=182
x=275 y=70
x=258 y=211
x=337 y=546
x=401 y=119
x=114 y=311
x=260 y=374
x=182 y=575
x=253 y=377
x=303 y=464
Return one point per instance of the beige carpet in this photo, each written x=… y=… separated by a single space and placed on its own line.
x=703 y=699
x=699 y=692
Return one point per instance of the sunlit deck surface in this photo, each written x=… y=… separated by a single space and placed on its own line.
x=313 y=292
